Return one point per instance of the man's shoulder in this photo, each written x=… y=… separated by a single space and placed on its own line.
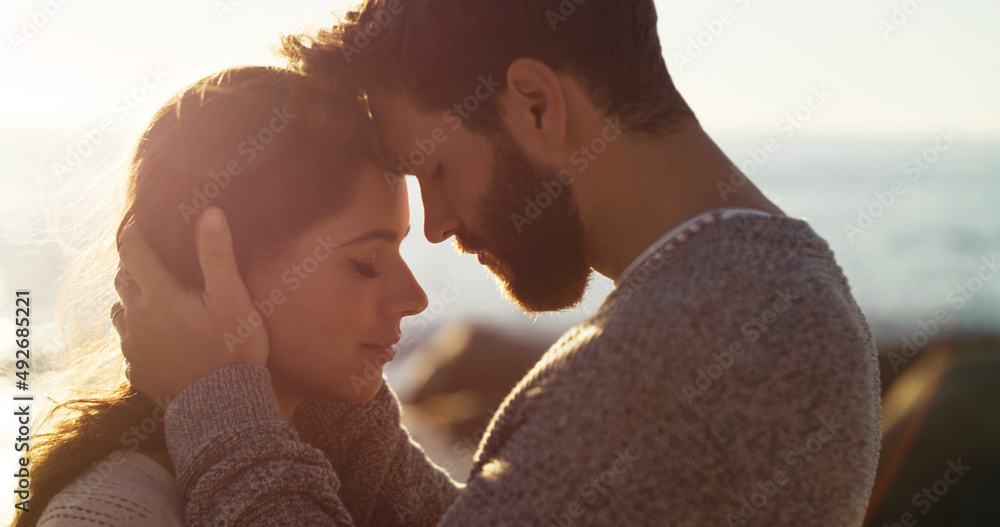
x=735 y=265
x=751 y=284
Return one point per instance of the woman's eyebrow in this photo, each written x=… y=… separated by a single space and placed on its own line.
x=378 y=234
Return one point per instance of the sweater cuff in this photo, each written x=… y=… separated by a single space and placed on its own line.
x=226 y=399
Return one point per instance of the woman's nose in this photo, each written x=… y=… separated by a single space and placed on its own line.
x=410 y=299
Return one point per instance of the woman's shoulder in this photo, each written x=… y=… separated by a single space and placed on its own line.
x=124 y=489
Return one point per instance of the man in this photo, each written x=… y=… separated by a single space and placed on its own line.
x=729 y=379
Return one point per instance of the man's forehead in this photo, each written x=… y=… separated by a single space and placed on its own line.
x=398 y=123
x=394 y=110
x=380 y=105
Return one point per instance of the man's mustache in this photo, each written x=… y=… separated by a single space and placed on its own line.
x=468 y=243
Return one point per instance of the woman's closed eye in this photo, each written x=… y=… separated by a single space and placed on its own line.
x=365 y=269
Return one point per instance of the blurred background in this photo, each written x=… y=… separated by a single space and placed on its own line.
x=887 y=124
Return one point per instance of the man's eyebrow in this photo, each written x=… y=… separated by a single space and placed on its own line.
x=378 y=234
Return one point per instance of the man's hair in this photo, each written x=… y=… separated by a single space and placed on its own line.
x=437 y=52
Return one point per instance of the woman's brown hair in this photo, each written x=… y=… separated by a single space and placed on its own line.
x=277 y=153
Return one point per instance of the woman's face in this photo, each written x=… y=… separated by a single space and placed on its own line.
x=332 y=313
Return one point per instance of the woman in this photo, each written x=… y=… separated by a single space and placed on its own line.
x=316 y=231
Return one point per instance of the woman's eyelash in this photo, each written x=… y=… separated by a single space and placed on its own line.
x=366 y=269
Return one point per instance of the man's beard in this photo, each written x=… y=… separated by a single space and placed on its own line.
x=539 y=259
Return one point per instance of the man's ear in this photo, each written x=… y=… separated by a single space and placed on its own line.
x=535 y=107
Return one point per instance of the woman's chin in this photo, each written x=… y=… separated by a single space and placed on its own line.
x=352 y=389
x=354 y=395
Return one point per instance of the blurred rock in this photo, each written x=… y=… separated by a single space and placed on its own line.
x=457 y=380
x=940 y=459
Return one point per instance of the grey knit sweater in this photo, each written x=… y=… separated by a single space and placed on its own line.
x=732 y=381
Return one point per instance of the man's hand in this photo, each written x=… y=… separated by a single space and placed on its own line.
x=173 y=335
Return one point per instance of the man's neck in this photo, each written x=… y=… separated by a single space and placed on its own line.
x=647 y=186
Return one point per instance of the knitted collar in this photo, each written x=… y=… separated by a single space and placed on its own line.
x=681 y=232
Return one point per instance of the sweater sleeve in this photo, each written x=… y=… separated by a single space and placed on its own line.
x=239 y=463
x=386 y=479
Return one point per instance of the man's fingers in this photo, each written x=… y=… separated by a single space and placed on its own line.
x=142 y=264
x=215 y=253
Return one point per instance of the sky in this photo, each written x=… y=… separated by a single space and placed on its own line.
x=896 y=68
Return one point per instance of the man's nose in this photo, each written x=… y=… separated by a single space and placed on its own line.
x=440 y=219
